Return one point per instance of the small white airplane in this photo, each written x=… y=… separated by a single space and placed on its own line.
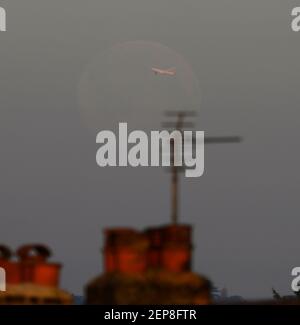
x=168 y=72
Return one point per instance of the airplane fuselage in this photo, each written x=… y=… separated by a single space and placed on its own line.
x=170 y=72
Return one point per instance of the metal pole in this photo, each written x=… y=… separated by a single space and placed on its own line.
x=174 y=187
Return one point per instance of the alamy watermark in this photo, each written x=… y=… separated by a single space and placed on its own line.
x=295 y=285
x=163 y=148
x=295 y=25
x=2 y=20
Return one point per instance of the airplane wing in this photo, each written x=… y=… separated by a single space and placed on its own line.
x=171 y=69
x=156 y=70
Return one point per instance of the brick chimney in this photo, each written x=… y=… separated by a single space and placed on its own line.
x=166 y=248
x=125 y=251
x=34 y=267
x=30 y=267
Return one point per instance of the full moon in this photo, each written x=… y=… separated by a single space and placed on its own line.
x=119 y=86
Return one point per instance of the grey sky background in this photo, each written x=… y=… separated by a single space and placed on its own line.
x=245 y=208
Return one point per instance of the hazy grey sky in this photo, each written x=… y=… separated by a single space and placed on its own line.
x=245 y=208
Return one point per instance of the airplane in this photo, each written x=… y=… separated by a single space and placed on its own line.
x=168 y=72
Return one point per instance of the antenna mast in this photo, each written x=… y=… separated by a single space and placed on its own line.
x=176 y=125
